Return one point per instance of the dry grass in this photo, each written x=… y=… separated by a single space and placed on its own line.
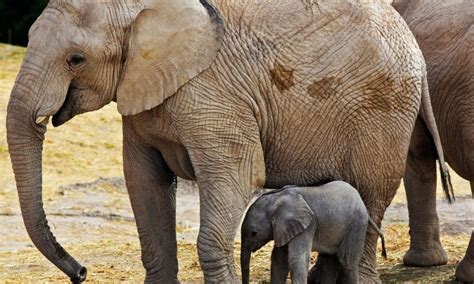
x=89 y=147
x=111 y=260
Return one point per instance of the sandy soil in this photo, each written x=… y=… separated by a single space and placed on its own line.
x=94 y=220
x=89 y=211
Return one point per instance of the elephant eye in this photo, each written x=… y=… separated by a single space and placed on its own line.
x=75 y=60
x=254 y=234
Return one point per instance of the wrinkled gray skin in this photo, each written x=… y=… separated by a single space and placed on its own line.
x=445 y=32
x=249 y=94
x=331 y=219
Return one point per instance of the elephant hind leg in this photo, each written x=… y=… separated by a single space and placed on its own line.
x=367 y=266
x=325 y=271
x=420 y=185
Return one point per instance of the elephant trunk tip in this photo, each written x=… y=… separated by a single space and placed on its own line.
x=80 y=276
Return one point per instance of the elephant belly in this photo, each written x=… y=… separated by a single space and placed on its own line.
x=326 y=243
x=176 y=158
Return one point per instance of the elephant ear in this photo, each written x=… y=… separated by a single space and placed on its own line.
x=291 y=217
x=170 y=42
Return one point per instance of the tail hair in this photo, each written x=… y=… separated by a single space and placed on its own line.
x=382 y=238
x=446 y=181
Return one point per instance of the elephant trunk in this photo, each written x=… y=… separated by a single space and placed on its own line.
x=25 y=135
x=245 y=265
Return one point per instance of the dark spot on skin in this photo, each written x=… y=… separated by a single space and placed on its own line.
x=324 y=88
x=282 y=78
x=376 y=100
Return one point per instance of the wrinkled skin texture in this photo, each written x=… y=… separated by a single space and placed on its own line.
x=445 y=33
x=245 y=95
x=331 y=219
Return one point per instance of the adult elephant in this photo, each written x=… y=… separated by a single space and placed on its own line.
x=445 y=32
x=236 y=95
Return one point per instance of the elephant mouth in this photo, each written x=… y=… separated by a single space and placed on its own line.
x=69 y=108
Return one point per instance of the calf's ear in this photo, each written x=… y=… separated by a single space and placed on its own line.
x=291 y=216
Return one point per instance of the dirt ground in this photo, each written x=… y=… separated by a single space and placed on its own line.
x=89 y=211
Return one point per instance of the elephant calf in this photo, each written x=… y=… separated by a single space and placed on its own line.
x=331 y=219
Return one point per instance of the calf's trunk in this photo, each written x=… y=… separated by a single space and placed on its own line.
x=245 y=266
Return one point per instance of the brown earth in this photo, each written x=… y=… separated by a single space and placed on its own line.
x=90 y=214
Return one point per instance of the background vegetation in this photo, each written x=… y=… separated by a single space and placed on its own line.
x=16 y=17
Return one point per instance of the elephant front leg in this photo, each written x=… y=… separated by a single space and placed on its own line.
x=420 y=185
x=299 y=253
x=152 y=190
x=279 y=266
x=227 y=178
x=220 y=216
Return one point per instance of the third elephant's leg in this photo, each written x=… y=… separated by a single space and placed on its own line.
x=420 y=184
x=465 y=269
x=152 y=189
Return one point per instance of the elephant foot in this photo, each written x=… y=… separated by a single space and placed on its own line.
x=465 y=271
x=155 y=279
x=222 y=271
x=433 y=256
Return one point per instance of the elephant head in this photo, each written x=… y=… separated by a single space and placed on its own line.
x=83 y=54
x=278 y=216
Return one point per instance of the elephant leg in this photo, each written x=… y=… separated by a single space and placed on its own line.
x=368 y=263
x=350 y=276
x=228 y=176
x=420 y=184
x=299 y=254
x=326 y=270
x=152 y=190
x=351 y=249
x=465 y=269
x=221 y=212
x=280 y=269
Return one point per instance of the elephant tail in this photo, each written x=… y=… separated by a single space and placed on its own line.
x=382 y=238
x=429 y=119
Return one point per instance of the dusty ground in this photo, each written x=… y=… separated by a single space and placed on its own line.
x=89 y=211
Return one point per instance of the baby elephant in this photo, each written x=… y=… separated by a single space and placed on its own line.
x=331 y=219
